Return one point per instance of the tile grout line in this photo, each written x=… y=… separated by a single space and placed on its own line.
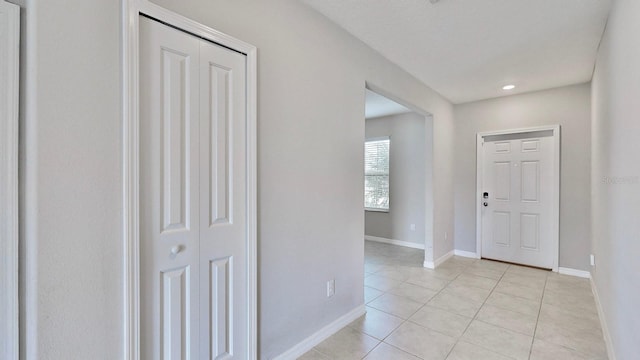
x=462 y=268
x=448 y=282
x=425 y=304
x=533 y=339
x=395 y=328
x=519 y=297
x=476 y=314
x=407 y=319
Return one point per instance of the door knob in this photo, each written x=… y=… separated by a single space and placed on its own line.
x=485 y=203
x=175 y=250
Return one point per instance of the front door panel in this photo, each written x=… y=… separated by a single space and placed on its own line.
x=517 y=221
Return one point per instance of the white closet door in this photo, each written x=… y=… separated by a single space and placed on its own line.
x=169 y=188
x=223 y=203
x=194 y=250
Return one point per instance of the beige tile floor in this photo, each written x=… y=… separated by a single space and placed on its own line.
x=466 y=309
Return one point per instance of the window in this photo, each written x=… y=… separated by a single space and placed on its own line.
x=376 y=174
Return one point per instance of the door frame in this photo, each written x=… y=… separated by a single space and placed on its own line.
x=555 y=197
x=429 y=213
x=131 y=12
x=9 y=138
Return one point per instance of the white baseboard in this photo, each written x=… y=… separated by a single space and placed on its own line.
x=467 y=254
x=603 y=321
x=429 y=264
x=321 y=335
x=574 y=272
x=439 y=261
x=394 y=242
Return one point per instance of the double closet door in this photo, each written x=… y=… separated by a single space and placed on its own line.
x=193 y=202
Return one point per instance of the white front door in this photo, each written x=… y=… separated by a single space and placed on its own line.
x=193 y=203
x=517 y=199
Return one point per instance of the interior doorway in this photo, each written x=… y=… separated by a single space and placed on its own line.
x=398 y=187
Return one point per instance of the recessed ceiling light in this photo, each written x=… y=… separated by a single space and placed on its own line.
x=508 y=87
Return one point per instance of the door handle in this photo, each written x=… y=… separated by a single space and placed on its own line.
x=485 y=203
x=175 y=250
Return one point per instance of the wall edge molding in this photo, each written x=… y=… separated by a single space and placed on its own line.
x=467 y=254
x=408 y=244
x=603 y=322
x=574 y=272
x=319 y=336
x=439 y=261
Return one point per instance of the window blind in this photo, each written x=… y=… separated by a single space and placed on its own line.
x=376 y=173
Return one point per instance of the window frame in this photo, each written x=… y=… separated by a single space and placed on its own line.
x=372 y=139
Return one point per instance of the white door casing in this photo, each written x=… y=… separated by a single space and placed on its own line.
x=518 y=196
x=236 y=156
x=9 y=50
x=193 y=197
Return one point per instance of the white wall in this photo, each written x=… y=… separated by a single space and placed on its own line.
x=311 y=89
x=70 y=217
x=408 y=134
x=615 y=180
x=568 y=106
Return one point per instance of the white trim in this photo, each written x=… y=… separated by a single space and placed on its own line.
x=520 y=130
x=479 y=175
x=467 y=254
x=9 y=95
x=603 y=321
x=378 y=138
x=439 y=261
x=556 y=185
x=131 y=9
x=376 y=210
x=394 y=242
x=574 y=272
x=307 y=344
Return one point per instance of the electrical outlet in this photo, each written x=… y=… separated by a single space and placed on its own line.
x=412 y=227
x=592 y=259
x=331 y=287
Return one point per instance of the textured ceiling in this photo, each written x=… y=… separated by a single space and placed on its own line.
x=468 y=49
